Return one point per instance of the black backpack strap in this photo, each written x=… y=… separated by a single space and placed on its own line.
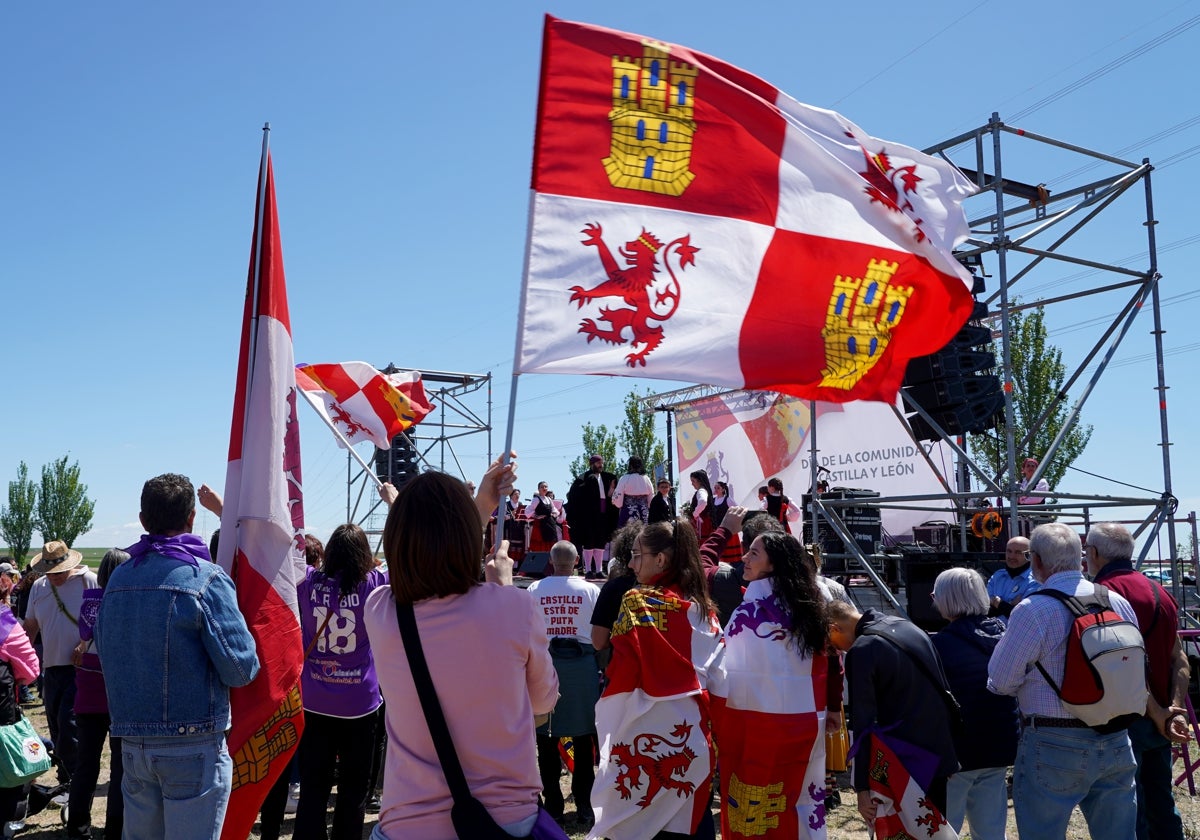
x=434 y=718
x=939 y=682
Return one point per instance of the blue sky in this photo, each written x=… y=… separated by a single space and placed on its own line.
x=401 y=139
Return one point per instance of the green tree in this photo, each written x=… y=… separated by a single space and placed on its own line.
x=18 y=520
x=596 y=440
x=637 y=436
x=63 y=509
x=1038 y=374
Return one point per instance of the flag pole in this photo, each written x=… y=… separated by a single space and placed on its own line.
x=512 y=394
x=258 y=244
x=342 y=438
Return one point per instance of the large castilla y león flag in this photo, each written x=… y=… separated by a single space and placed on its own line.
x=362 y=403
x=692 y=222
x=262 y=516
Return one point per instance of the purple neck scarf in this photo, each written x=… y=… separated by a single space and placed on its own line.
x=187 y=548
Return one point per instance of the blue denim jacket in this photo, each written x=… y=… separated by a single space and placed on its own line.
x=172 y=642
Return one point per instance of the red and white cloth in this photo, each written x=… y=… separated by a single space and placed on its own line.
x=768 y=711
x=262 y=518
x=692 y=222
x=363 y=403
x=902 y=810
x=656 y=757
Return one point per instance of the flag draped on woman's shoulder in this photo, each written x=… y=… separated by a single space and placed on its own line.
x=262 y=516
x=692 y=222
x=362 y=403
x=656 y=756
x=768 y=712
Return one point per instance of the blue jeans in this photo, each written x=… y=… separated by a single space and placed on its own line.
x=1157 y=816
x=1059 y=768
x=175 y=787
x=982 y=797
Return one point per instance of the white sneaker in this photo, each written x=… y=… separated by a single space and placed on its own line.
x=293 y=799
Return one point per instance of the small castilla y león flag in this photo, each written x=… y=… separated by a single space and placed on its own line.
x=691 y=222
x=262 y=516
x=362 y=403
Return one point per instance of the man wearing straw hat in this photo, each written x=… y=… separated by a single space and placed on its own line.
x=54 y=602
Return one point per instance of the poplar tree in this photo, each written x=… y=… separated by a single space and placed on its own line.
x=18 y=520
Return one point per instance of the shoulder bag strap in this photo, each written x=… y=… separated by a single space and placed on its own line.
x=434 y=718
x=324 y=624
x=941 y=684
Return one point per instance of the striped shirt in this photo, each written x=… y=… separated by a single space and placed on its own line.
x=1037 y=632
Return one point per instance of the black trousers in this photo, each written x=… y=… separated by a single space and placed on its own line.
x=550 y=766
x=348 y=742
x=58 y=693
x=92 y=731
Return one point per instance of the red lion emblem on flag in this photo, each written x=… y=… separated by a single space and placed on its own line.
x=650 y=298
x=660 y=769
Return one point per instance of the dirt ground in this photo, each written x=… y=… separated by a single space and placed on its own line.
x=843 y=823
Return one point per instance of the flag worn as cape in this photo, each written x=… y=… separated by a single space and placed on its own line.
x=768 y=712
x=691 y=222
x=262 y=516
x=656 y=757
x=903 y=811
x=362 y=403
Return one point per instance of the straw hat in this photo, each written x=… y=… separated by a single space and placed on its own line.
x=56 y=557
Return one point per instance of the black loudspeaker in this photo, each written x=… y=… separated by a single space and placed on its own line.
x=953 y=385
x=398 y=464
x=921 y=570
x=535 y=564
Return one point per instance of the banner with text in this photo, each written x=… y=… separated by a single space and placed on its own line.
x=746 y=437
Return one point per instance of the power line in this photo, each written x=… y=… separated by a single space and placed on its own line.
x=1121 y=61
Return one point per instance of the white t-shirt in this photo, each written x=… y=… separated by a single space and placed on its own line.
x=60 y=631
x=566 y=604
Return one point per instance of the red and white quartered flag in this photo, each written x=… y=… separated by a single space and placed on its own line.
x=692 y=222
x=362 y=403
x=262 y=516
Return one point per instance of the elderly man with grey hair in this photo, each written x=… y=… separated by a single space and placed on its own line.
x=1061 y=762
x=1108 y=552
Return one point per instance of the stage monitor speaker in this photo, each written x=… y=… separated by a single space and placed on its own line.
x=535 y=564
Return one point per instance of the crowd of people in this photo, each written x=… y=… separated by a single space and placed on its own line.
x=713 y=657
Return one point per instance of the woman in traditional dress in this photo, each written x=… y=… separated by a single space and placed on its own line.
x=701 y=498
x=777 y=503
x=768 y=687
x=633 y=492
x=653 y=712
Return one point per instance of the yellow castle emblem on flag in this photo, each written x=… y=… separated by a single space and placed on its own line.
x=754 y=809
x=653 y=123
x=862 y=313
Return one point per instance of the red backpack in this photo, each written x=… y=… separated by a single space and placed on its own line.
x=1104 y=675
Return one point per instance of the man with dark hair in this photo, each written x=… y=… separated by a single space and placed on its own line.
x=1108 y=552
x=172 y=642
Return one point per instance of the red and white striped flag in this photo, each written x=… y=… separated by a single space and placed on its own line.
x=692 y=222
x=262 y=516
x=362 y=403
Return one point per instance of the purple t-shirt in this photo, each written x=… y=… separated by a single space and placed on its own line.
x=339 y=674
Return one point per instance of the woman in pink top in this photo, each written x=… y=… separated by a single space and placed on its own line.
x=485 y=643
x=18 y=666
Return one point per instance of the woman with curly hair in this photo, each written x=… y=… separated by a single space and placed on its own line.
x=654 y=705
x=767 y=685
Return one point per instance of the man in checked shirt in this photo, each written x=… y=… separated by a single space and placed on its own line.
x=1061 y=761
